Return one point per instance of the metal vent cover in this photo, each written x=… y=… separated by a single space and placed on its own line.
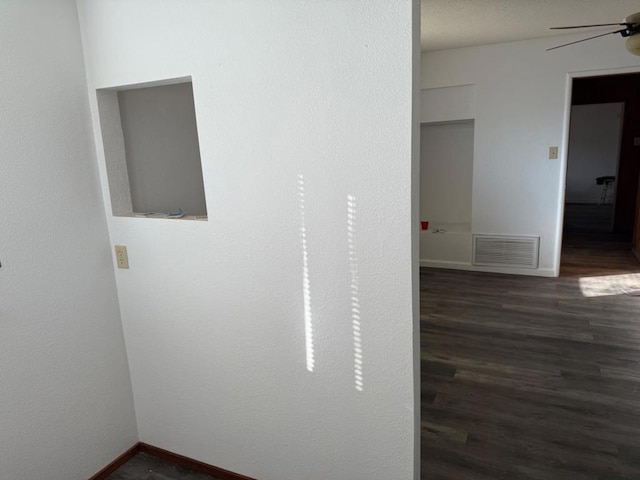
x=506 y=251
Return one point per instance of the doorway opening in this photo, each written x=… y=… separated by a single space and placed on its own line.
x=603 y=168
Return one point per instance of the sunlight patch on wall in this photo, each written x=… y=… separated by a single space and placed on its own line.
x=354 y=287
x=306 y=288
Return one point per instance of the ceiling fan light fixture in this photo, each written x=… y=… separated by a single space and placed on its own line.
x=632 y=19
x=633 y=44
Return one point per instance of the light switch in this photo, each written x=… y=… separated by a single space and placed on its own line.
x=553 y=153
x=122 y=259
x=636 y=141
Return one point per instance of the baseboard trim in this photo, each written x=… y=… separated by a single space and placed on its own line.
x=116 y=464
x=446 y=264
x=190 y=463
x=181 y=460
x=529 y=272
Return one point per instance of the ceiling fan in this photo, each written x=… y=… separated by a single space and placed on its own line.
x=631 y=32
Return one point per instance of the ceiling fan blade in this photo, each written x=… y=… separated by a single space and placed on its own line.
x=589 y=26
x=589 y=38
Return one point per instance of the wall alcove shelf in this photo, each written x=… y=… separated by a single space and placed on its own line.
x=151 y=149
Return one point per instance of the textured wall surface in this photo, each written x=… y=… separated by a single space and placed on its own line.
x=66 y=406
x=521 y=110
x=277 y=339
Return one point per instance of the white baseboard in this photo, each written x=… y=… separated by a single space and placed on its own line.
x=531 y=272
x=445 y=264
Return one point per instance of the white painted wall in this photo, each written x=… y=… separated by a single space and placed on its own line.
x=446 y=172
x=214 y=312
x=594 y=149
x=448 y=104
x=162 y=150
x=446 y=176
x=66 y=407
x=521 y=110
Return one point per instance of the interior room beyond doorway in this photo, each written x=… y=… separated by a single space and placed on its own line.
x=602 y=175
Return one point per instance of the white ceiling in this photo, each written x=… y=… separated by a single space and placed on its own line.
x=462 y=23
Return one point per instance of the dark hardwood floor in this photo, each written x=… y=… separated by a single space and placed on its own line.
x=148 y=467
x=534 y=378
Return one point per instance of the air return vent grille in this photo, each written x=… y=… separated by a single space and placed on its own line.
x=506 y=251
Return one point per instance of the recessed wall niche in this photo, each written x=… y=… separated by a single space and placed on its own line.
x=151 y=149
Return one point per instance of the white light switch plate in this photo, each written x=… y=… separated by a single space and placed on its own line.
x=553 y=153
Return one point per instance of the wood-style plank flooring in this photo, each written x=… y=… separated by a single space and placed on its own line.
x=148 y=467
x=533 y=378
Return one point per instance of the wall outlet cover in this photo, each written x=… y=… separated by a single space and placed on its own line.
x=122 y=259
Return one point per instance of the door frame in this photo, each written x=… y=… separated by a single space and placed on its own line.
x=564 y=157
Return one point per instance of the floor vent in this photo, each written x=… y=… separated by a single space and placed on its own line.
x=506 y=251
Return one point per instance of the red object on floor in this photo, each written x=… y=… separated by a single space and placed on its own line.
x=425 y=225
